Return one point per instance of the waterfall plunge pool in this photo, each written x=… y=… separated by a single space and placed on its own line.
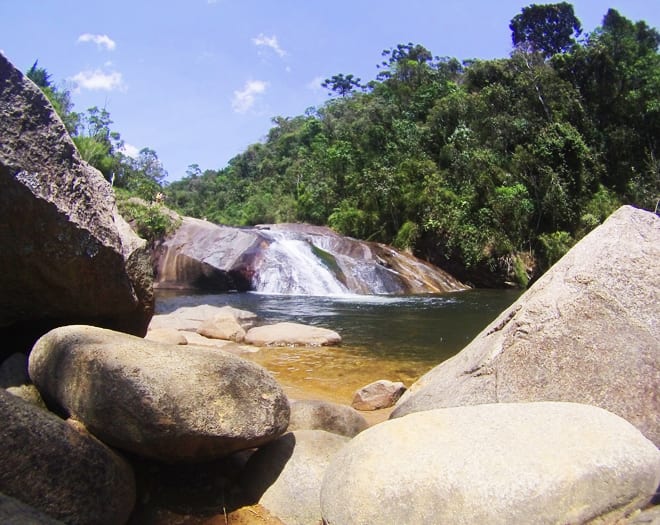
x=384 y=337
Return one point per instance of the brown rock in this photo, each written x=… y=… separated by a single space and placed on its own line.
x=586 y=332
x=61 y=471
x=66 y=255
x=377 y=395
x=167 y=402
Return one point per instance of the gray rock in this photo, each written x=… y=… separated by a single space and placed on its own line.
x=167 y=402
x=15 y=512
x=61 y=471
x=66 y=255
x=532 y=463
x=323 y=415
x=586 y=332
x=291 y=334
x=285 y=475
x=13 y=371
x=377 y=395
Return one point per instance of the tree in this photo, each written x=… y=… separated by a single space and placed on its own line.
x=60 y=98
x=342 y=85
x=548 y=29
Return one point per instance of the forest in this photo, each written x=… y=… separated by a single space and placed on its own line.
x=491 y=169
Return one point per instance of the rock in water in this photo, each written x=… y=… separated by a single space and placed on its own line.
x=60 y=471
x=586 y=332
x=323 y=415
x=531 y=463
x=377 y=395
x=66 y=256
x=167 y=402
x=291 y=334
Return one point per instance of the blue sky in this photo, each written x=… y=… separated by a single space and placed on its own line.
x=200 y=80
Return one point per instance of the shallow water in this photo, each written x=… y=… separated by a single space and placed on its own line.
x=384 y=337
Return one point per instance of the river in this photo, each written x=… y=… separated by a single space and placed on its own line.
x=384 y=337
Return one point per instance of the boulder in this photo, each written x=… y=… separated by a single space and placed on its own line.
x=191 y=318
x=167 y=402
x=60 y=470
x=586 y=332
x=226 y=328
x=285 y=475
x=323 y=415
x=13 y=371
x=166 y=335
x=15 y=512
x=66 y=255
x=377 y=395
x=532 y=463
x=291 y=334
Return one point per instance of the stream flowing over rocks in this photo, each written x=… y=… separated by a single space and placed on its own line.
x=66 y=255
x=289 y=259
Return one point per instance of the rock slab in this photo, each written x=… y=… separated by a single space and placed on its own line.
x=61 y=471
x=166 y=402
x=585 y=332
x=66 y=255
x=291 y=334
x=532 y=463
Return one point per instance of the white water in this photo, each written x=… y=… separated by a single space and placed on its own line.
x=291 y=268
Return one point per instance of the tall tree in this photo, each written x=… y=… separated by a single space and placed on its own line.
x=549 y=29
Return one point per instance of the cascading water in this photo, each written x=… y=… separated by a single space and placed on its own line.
x=290 y=267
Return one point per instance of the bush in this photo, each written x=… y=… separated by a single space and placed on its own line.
x=554 y=246
x=150 y=221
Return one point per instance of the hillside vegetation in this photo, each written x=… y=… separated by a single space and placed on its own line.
x=482 y=166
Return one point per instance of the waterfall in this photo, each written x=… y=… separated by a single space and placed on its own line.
x=290 y=267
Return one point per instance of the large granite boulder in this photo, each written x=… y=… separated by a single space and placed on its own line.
x=166 y=402
x=60 y=469
x=532 y=463
x=66 y=256
x=586 y=332
x=285 y=476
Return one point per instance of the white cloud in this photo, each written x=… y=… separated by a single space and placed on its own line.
x=130 y=150
x=244 y=99
x=99 y=40
x=98 y=80
x=270 y=42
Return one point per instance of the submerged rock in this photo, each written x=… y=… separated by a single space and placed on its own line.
x=66 y=255
x=532 y=463
x=60 y=470
x=167 y=402
x=586 y=332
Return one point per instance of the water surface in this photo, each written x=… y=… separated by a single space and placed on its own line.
x=384 y=337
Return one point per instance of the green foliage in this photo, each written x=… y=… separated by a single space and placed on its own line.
x=489 y=158
x=520 y=272
x=151 y=221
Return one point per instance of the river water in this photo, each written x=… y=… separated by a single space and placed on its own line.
x=384 y=337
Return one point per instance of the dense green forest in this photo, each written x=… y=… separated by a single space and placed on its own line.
x=487 y=165
x=491 y=169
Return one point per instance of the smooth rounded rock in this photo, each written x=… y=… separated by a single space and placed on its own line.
x=167 y=335
x=532 y=463
x=285 y=476
x=226 y=328
x=167 y=402
x=291 y=334
x=323 y=415
x=60 y=470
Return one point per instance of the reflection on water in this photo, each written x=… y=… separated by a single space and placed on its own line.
x=384 y=337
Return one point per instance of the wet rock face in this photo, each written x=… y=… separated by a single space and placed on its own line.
x=290 y=259
x=586 y=332
x=65 y=253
